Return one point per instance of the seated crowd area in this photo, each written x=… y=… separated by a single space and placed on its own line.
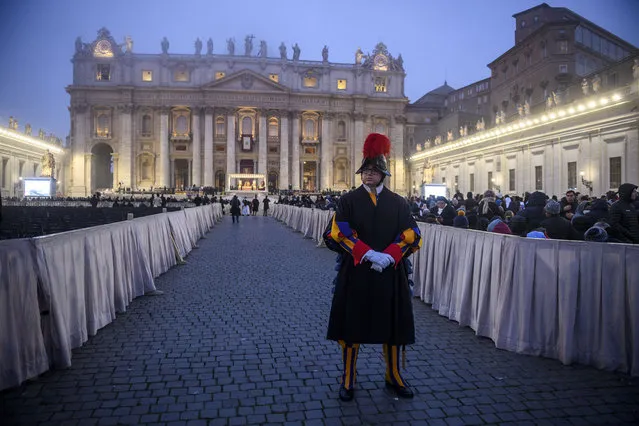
x=34 y=217
x=609 y=218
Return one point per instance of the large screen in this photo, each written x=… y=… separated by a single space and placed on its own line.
x=37 y=188
x=436 y=190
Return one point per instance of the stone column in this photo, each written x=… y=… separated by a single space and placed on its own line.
x=124 y=170
x=165 y=178
x=261 y=153
x=80 y=132
x=195 y=171
x=358 y=145
x=326 y=152
x=230 y=147
x=88 y=173
x=283 y=181
x=397 y=153
x=208 y=147
x=295 y=161
x=116 y=175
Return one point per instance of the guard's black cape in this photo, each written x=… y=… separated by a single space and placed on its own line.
x=368 y=306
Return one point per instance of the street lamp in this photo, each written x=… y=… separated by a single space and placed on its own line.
x=586 y=183
x=495 y=186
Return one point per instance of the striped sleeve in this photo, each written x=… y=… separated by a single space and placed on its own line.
x=410 y=240
x=346 y=237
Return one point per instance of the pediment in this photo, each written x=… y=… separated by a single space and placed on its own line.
x=246 y=80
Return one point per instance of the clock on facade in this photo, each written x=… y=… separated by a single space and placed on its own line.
x=380 y=62
x=103 y=49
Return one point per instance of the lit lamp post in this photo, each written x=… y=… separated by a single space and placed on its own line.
x=495 y=186
x=584 y=182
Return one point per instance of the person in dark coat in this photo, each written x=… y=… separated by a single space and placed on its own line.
x=488 y=207
x=373 y=231
x=556 y=226
x=235 y=209
x=444 y=211
x=534 y=211
x=623 y=215
x=255 y=205
x=266 y=202
x=569 y=205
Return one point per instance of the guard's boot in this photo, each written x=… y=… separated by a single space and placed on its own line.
x=393 y=378
x=349 y=358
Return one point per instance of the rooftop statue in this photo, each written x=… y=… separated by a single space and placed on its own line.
x=230 y=45
x=165 y=45
x=48 y=165
x=248 y=45
x=198 y=46
x=296 y=52
x=263 y=52
x=585 y=87
x=209 y=47
x=128 y=43
x=596 y=83
x=359 y=55
x=325 y=54
x=283 y=51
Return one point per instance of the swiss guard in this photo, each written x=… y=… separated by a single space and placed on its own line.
x=373 y=231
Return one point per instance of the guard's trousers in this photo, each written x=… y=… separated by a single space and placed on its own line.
x=349 y=358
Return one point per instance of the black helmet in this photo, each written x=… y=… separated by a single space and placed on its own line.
x=376 y=148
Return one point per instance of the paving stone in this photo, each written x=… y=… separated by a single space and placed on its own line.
x=238 y=337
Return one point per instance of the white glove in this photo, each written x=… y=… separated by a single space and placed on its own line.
x=367 y=256
x=376 y=267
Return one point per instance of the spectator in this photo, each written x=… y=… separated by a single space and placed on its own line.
x=444 y=211
x=569 y=205
x=596 y=234
x=556 y=226
x=460 y=220
x=517 y=226
x=623 y=215
x=534 y=211
x=488 y=207
x=499 y=227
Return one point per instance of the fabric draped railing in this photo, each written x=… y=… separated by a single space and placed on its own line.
x=574 y=301
x=58 y=290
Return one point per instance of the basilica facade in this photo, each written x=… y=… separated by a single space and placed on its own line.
x=208 y=119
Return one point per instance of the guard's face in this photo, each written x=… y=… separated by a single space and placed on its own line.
x=371 y=177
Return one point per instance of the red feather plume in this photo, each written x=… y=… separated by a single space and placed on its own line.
x=375 y=145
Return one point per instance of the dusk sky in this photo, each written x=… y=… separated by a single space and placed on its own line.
x=438 y=40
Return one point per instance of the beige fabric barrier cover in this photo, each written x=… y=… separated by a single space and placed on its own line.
x=574 y=301
x=57 y=290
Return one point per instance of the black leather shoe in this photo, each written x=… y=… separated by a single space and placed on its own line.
x=401 y=391
x=346 y=394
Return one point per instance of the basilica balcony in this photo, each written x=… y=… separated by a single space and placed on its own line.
x=273 y=139
x=310 y=140
x=181 y=137
x=102 y=134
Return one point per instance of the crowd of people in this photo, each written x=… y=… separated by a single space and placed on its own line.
x=609 y=218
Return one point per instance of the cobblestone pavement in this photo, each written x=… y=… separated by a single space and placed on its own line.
x=239 y=338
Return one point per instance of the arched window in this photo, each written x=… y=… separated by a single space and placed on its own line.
x=220 y=126
x=146 y=125
x=273 y=128
x=247 y=126
x=341 y=130
x=310 y=129
x=181 y=126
